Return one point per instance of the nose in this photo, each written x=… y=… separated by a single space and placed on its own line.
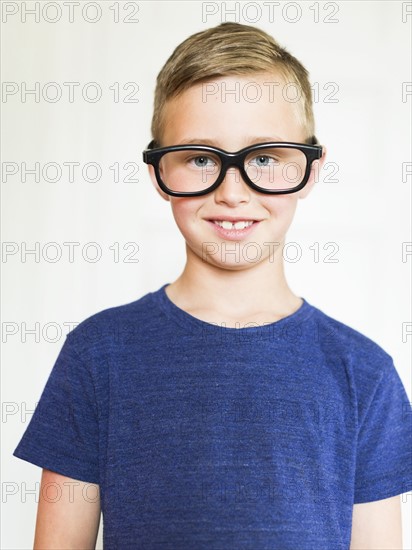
x=233 y=188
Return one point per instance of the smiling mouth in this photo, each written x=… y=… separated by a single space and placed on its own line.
x=226 y=224
x=234 y=224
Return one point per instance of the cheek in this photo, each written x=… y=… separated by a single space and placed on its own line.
x=282 y=207
x=184 y=212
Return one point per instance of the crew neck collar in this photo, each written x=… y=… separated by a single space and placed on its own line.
x=186 y=320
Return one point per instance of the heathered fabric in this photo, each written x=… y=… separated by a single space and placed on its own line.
x=208 y=437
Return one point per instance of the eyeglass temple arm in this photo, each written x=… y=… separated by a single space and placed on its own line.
x=313 y=140
x=151 y=145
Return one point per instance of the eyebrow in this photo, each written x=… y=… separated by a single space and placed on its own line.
x=213 y=143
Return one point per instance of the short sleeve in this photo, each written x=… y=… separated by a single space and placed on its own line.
x=63 y=434
x=384 y=444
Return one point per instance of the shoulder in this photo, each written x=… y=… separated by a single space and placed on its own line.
x=359 y=352
x=332 y=330
x=110 y=325
x=365 y=370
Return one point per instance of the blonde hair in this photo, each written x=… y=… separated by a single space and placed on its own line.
x=229 y=49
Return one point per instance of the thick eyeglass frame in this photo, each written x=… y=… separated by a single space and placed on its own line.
x=153 y=155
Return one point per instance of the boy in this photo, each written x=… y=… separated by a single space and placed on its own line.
x=222 y=410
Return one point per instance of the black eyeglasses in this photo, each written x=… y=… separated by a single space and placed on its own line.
x=192 y=170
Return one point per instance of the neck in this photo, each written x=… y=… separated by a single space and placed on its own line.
x=238 y=290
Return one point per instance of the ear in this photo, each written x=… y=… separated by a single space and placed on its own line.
x=314 y=175
x=152 y=174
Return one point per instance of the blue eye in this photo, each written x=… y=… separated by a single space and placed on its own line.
x=263 y=161
x=262 y=158
x=201 y=161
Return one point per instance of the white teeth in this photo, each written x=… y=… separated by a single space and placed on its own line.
x=238 y=225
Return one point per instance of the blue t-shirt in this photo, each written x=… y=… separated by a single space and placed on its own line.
x=202 y=436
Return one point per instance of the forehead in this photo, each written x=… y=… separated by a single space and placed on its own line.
x=260 y=104
x=254 y=87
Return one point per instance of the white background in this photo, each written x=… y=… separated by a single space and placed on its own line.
x=366 y=211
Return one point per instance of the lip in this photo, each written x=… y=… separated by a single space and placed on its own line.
x=232 y=219
x=234 y=234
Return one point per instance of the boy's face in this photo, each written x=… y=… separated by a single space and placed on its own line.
x=233 y=121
